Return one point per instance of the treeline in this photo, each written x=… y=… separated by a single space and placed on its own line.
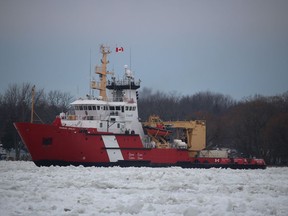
x=15 y=106
x=256 y=126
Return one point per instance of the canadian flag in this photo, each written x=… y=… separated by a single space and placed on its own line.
x=119 y=49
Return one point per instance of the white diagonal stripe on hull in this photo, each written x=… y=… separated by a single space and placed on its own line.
x=111 y=142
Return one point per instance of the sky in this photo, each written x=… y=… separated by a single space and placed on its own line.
x=237 y=48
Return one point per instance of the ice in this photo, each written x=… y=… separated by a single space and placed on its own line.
x=26 y=189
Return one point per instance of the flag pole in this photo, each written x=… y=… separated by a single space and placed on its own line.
x=130 y=59
x=90 y=68
x=32 y=104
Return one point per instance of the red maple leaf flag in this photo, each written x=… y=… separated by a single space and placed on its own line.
x=119 y=49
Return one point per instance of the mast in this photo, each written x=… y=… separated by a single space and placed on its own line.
x=32 y=104
x=102 y=71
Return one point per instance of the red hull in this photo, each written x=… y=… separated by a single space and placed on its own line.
x=60 y=145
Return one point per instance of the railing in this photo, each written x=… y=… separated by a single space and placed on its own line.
x=82 y=117
x=98 y=69
x=95 y=85
x=89 y=117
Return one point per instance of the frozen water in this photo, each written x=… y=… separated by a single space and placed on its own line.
x=26 y=189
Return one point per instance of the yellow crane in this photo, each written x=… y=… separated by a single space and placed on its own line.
x=192 y=132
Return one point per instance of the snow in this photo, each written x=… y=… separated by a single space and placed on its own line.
x=26 y=189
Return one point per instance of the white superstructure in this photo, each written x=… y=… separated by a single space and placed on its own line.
x=113 y=111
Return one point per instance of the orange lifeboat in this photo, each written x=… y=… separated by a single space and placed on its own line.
x=159 y=130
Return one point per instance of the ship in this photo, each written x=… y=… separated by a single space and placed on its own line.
x=105 y=130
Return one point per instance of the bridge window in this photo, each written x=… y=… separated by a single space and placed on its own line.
x=94 y=107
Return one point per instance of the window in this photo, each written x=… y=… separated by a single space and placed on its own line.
x=127 y=108
x=98 y=107
x=117 y=108
x=118 y=125
x=112 y=108
x=81 y=107
x=47 y=140
x=89 y=107
x=94 y=107
x=101 y=124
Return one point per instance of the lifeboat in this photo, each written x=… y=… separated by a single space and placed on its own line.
x=159 y=130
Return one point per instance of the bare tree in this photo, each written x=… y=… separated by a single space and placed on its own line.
x=15 y=106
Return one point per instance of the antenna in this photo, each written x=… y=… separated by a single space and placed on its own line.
x=130 y=53
x=90 y=75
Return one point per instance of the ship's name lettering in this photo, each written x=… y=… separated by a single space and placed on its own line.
x=66 y=128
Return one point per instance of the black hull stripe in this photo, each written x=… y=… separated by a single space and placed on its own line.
x=148 y=164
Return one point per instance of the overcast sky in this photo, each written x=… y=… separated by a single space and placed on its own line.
x=238 y=48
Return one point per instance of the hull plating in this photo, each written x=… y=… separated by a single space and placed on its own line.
x=60 y=145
